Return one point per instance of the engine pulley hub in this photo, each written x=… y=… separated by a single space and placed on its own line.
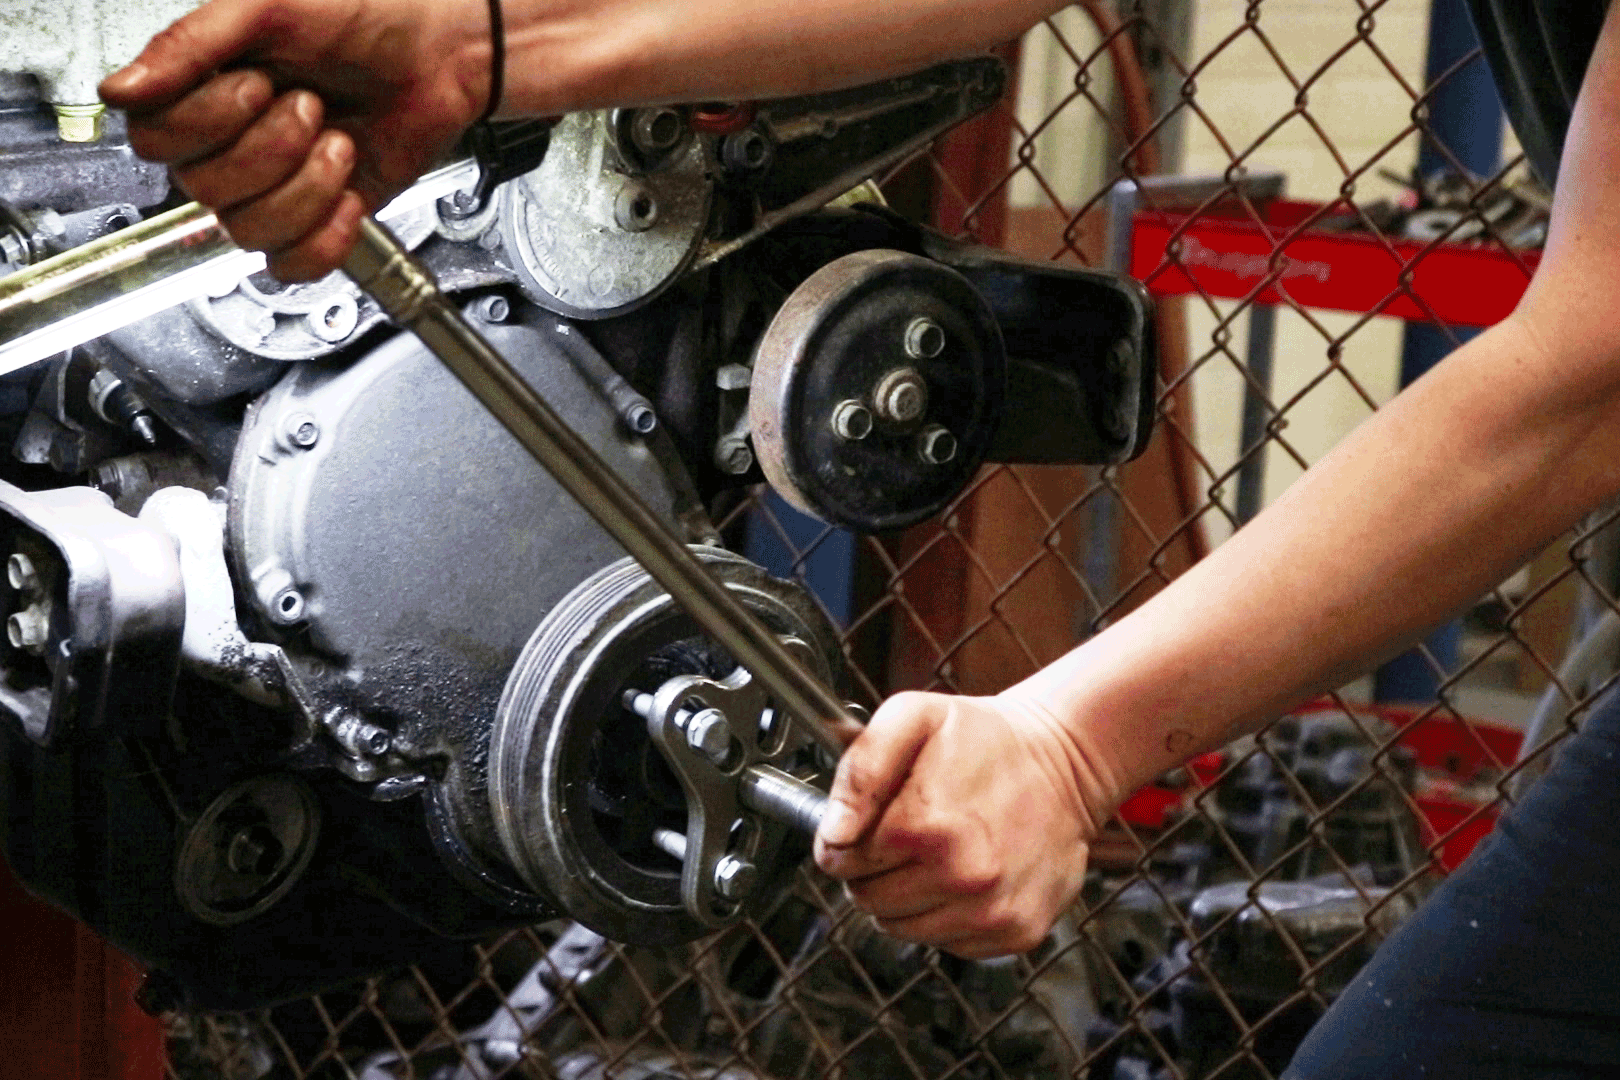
x=583 y=797
x=877 y=390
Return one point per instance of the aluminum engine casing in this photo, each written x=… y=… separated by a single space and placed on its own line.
x=403 y=547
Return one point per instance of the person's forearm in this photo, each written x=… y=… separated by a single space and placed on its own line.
x=571 y=54
x=1431 y=503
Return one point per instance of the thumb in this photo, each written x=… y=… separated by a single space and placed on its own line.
x=875 y=767
x=185 y=54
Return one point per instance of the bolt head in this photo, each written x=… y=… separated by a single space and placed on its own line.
x=734 y=457
x=80 y=123
x=494 y=309
x=936 y=445
x=642 y=420
x=287 y=607
x=635 y=209
x=735 y=878
x=20 y=572
x=851 y=421
x=925 y=338
x=302 y=430
x=709 y=733
x=902 y=396
x=28 y=628
x=655 y=130
x=244 y=852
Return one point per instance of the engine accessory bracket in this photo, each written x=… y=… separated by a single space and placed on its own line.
x=96 y=607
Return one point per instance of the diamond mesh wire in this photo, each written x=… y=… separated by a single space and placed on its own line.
x=1182 y=958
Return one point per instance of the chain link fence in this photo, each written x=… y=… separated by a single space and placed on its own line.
x=1230 y=902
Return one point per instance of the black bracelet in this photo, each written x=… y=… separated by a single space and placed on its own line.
x=497 y=61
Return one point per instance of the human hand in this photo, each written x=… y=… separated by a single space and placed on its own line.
x=963 y=822
x=294 y=118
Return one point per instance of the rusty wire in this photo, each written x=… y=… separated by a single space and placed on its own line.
x=810 y=990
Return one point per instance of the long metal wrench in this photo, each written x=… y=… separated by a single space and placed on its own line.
x=408 y=293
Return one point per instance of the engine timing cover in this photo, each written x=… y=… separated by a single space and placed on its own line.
x=404 y=542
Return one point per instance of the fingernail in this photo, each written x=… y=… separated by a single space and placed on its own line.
x=249 y=93
x=839 y=825
x=308 y=108
x=128 y=80
x=336 y=150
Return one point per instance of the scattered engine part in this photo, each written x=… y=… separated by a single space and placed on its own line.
x=803 y=991
x=877 y=390
x=1326 y=909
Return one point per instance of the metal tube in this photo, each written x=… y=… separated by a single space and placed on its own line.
x=411 y=297
x=781 y=797
x=151 y=266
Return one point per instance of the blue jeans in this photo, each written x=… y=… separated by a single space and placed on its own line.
x=1512 y=967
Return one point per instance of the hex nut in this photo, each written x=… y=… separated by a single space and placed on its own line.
x=709 y=733
x=936 y=445
x=925 y=338
x=80 y=123
x=733 y=456
x=735 y=878
x=901 y=396
x=851 y=421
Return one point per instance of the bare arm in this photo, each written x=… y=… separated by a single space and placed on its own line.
x=1425 y=507
x=294 y=117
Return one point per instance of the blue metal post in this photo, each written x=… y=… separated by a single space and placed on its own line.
x=1465 y=115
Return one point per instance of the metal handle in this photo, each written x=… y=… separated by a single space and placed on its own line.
x=405 y=289
x=781 y=797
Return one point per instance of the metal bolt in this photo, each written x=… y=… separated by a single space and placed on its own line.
x=746 y=151
x=80 y=123
x=925 y=339
x=901 y=396
x=302 y=431
x=28 y=628
x=21 y=573
x=734 y=877
x=287 y=607
x=641 y=419
x=635 y=210
x=935 y=445
x=851 y=420
x=670 y=843
x=709 y=733
x=13 y=251
x=493 y=309
x=733 y=456
x=656 y=130
x=335 y=320
x=245 y=852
